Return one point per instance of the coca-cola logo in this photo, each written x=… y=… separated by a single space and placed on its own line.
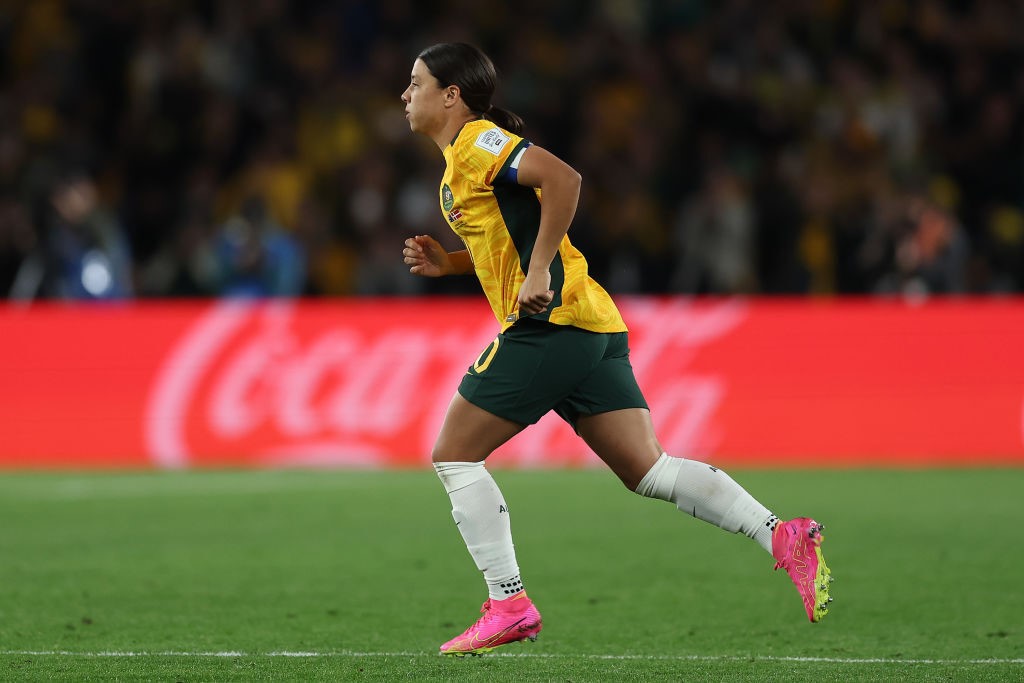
x=281 y=383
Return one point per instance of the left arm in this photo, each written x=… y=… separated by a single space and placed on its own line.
x=559 y=184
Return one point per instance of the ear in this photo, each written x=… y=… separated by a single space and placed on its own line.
x=452 y=95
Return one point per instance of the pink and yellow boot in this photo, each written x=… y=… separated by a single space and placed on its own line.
x=503 y=622
x=796 y=546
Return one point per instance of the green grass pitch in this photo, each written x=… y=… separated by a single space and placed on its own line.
x=359 y=576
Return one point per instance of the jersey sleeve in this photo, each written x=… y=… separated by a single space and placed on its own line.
x=487 y=155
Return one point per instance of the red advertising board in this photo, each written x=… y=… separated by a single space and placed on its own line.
x=364 y=382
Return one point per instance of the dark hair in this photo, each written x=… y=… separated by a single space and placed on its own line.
x=470 y=69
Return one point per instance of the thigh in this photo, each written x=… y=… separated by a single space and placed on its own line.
x=470 y=433
x=624 y=440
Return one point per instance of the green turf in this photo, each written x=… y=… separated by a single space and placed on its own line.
x=360 y=575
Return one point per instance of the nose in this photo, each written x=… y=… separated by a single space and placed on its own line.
x=405 y=97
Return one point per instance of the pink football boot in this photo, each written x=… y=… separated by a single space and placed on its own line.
x=503 y=621
x=796 y=546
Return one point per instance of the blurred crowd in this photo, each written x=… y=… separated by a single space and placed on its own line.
x=258 y=147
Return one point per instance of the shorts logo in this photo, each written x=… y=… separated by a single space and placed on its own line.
x=454 y=215
x=447 y=198
x=492 y=140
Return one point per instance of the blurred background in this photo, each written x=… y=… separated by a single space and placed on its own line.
x=181 y=148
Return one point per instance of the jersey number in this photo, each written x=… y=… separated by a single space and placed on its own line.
x=484 y=361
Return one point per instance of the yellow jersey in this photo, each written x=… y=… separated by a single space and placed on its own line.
x=498 y=220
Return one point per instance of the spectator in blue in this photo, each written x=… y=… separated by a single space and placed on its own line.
x=87 y=254
x=256 y=257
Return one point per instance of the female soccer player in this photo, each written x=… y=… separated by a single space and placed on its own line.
x=562 y=346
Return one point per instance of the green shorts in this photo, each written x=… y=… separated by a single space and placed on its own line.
x=536 y=366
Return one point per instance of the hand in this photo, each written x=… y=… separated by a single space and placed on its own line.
x=535 y=295
x=425 y=256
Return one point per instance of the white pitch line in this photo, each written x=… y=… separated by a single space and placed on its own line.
x=524 y=655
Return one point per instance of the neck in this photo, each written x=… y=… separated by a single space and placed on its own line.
x=450 y=130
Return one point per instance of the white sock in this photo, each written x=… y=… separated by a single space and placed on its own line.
x=710 y=494
x=481 y=514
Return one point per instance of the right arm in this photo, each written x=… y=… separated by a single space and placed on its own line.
x=425 y=256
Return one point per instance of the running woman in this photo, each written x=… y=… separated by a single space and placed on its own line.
x=562 y=346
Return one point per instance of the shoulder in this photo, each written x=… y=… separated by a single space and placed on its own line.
x=486 y=139
x=483 y=149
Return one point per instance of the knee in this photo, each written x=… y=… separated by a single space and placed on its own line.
x=632 y=472
x=631 y=480
x=439 y=455
x=443 y=452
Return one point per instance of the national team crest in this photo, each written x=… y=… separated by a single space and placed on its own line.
x=447 y=198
